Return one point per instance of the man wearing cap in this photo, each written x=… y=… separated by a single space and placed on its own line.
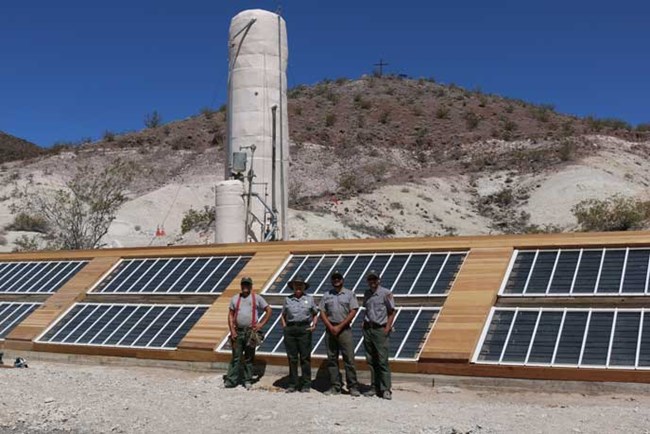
x=243 y=322
x=337 y=310
x=377 y=324
x=299 y=318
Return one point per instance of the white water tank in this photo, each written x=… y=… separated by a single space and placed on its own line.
x=230 y=212
x=258 y=60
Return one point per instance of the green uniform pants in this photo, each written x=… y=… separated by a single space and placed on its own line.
x=297 y=342
x=341 y=344
x=376 y=344
x=242 y=359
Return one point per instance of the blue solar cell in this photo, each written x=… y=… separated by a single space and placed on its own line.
x=125 y=325
x=636 y=271
x=409 y=274
x=12 y=314
x=428 y=275
x=36 y=276
x=519 y=273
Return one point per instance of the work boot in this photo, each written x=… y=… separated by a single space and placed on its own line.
x=305 y=389
x=290 y=389
x=354 y=392
x=248 y=385
x=332 y=391
x=370 y=393
x=387 y=395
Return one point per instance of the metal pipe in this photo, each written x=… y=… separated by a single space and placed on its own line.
x=251 y=175
x=274 y=205
x=282 y=168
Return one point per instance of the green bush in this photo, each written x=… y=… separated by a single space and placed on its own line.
x=607 y=124
x=26 y=243
x=472 y=120
x=109 y=136
x=200 y=220
x=330 y=120
x=442 y=113
x=25 y=222
x=153 y=119
x=616 y=213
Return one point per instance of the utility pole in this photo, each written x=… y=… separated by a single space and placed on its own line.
x=381 y=65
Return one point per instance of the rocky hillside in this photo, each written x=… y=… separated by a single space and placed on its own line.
x=375 y=157
x=12 y=148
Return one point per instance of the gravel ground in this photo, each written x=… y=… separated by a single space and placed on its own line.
x=55 y=397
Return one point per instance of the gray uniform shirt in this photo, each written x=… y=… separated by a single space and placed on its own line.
x=337 y=305
x=379 y=304
x=245 y=315
x=299 y=309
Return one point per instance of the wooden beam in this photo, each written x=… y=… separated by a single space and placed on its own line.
x=468 y=304
x=561 y=240
x=73 y=291
x=210 y=330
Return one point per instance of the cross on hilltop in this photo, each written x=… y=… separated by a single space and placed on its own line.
x=381 y=65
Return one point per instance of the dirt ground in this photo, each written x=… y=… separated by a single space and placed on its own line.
x=57 y=397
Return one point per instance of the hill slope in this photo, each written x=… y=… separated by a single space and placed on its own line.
x=376 y=157
x=13 y=148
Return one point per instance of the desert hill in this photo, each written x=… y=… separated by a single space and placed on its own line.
x=385 y=156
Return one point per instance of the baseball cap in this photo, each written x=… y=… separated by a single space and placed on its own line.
x=246 y=281
x=337 y=273
x=372 y=274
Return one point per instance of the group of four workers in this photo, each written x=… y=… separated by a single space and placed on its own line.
x=300 y=314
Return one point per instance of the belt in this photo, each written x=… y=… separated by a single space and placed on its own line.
x=298 y=323
x=374 y=325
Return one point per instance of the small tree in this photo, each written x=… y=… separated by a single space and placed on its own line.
x=200 y=220
x=153 y=119
x=79 y=215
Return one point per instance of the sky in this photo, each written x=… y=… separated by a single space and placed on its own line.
x=72 y=69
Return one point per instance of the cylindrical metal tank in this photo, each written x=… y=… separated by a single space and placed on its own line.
x=230 y=212
x=257 y=81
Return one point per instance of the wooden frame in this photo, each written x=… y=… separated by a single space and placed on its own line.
x=450 y=344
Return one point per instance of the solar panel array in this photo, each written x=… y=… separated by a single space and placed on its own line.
x=575 y=337
x=36 y=276
x=410 y=330
x=579 y=272
x=11 y=314
x=405 y=274
x=160 y=326
x=180 y=275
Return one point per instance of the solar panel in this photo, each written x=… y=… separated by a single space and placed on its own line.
x=575 y=337
x=405 y=274
x=578 y=272
x=160 y=326
x=11 y=314
x=180 y=275
x=410 y=330
x=36 y=276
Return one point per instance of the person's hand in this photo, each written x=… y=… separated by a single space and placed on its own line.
x=336 y=330
x=257 y=327
x=312 y=327
x=233 y=335
x=387 y=330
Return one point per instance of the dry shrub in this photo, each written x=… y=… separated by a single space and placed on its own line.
x=616 y=213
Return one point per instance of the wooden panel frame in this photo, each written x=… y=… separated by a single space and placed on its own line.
x=448 y=349
x=474 y=292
